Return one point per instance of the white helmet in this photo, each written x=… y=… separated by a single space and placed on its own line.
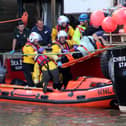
x=63 y=19
x=34 y=36
x=62 y=33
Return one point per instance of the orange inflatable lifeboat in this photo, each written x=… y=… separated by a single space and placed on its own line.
x=91 y=89
x=83 y=92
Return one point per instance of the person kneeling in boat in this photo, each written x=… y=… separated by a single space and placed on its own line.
x=49 y=70
x=29 y=50
x=62 y=45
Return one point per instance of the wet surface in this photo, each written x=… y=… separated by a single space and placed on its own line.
x=12 y=114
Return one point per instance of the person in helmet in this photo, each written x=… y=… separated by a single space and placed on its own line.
x=62 y=45
x=63 y=24
x=49 y=70
x=30 y=48
x=80 y=29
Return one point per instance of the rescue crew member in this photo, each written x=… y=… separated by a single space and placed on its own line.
x=30 y=49
x=21 y=34
x=63 y=24
x=44 y=31
x=80 y=29
x=62 y=46
x=49 y=71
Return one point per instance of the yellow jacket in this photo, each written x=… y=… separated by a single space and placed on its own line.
x=56 y=29
x=29 y=49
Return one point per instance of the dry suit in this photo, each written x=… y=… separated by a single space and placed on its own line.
x=28 y=61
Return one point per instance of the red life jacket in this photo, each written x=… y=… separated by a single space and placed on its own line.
x=35 y=47
x=58 y=28
x=62 y=46
x=42 y=60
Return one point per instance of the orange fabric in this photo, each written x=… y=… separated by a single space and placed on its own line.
x=25 y=18
x=99 y=45
x=70 y=57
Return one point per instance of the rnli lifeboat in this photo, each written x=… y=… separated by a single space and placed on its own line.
x=83 y=92
x=91 y=89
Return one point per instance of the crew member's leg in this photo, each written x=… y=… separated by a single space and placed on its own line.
x=28 y=69
x=45 y=79
x=55 y=77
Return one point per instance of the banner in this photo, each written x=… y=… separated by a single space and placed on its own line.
x=80 y=6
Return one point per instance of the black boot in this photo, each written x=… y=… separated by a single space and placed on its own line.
x=57 y=86
x=45 y=84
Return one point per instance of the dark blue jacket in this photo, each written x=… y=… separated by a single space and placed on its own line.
x=45 y=34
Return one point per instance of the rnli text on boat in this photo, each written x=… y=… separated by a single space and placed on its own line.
x=104 y=92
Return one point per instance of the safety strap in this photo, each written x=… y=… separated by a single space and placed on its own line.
x=85 y=49
x=94 y=45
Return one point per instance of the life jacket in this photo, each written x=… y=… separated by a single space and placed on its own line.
x=58 y=28
x=62 y=46
x=81 y=30
x=35 y=47
x=42 y=60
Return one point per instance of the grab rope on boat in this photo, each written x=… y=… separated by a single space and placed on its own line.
x=75 y=52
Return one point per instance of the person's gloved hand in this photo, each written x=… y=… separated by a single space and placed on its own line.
x=12 y=52
x=59 y=63
x=75 y=47
x=40 y=50
x=65 y=51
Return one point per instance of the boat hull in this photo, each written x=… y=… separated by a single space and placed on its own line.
x=117 y=71
x=101 y=97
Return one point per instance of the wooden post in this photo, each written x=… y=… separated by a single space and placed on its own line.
x=53 y=12
x=110 y=37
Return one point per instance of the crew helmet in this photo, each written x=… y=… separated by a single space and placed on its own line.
x=62 y=33
x=34 y=36
x=63 y=19
x=83 y=17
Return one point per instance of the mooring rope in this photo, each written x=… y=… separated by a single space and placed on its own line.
x=12 y=20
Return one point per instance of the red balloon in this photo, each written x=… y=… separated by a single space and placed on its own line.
x=108 y=25
x=119 y=16
x=96 y=18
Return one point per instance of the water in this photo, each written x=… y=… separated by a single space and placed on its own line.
x=13 y=114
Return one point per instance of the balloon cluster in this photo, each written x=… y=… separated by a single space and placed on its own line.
x=109 y=23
